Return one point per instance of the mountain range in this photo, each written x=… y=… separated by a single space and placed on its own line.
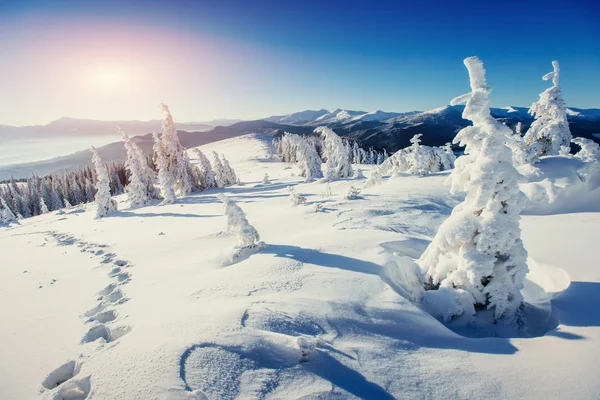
x=379 y=129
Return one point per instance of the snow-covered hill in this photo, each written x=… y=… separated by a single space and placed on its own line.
x=141 y=304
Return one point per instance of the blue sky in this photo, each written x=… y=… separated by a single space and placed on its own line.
x=250 y=59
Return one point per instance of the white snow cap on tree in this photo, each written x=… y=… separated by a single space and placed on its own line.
x=338 y=163
x=178 y=161
x=550 y=128
x=106 y=204
x=165 y=178
x=238 y=224
x=477 y=256
x=137 y=191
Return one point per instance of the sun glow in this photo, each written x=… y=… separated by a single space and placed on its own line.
x=109 y=77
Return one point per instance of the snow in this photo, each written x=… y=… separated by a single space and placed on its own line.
x=326 y=309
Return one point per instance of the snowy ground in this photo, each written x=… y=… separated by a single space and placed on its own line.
x=140 y=305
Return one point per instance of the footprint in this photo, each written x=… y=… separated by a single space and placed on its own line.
x=76 y=389
x=102 y=331
x=114 y=271
x=107 y=289
x=124 y=277
x=115 y=296
x=96 y=310
x=120 y=263
x=61 y=374
x=104 y=316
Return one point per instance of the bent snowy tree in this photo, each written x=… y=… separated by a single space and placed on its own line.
x=238 y=224
x=477 y=257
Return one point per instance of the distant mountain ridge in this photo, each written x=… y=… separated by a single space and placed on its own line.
x=379 y=129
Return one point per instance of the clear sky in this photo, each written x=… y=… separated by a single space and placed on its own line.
x=118 y=60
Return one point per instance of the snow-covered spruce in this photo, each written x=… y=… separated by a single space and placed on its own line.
x=238 y=224
x=521 y=152
x=265 y=180
x=338 y=164
x=352 y=194
x=220 y=173
x=178 y=162
x=137 y=191
x=550 y=130
x=590 y=154
x=375 y=178
x=6 y=214
x=295 y=198
x=207 y=178
x=165 y=177
x=477 y=257
x=230 y=176
x=105 y=203
x=358 y=173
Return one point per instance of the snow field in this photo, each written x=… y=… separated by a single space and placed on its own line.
x=326 y=310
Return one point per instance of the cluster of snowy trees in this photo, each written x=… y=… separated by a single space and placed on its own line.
x=311 y=151
x=477 y=258
x=38 y=195
x=418 y=159
x=136 y=176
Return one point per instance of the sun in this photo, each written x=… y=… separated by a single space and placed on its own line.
x=109 y=77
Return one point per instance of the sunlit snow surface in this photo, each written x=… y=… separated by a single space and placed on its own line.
x=139 y=305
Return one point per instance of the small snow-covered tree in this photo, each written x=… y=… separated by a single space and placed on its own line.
x=266 y=180
x=358 y=173
x=178 y=162
x=590 y=154
x=550 y=128
x=238 y=224
x=106 y=204
x=352 y=193
x=419 y=158
x=338 y=160
x=477 y=256
x=43 y=207
x=69 y=205
x=295 y=198
x=165 y=177
x=375 y=178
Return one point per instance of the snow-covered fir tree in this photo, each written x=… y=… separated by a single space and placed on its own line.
x=90 y=191
x=238 y=224
x=266 y=180
x=137 y=191
x=178 y=162
x=338 y=160
x=7 y=214
x=375 y=178
x=550 y=130
x=230 y=176
x=477 y=257
x=220 y=173
x=358 y=173
x=165 y=177
x=106 y=204
x=352 y=193
x=207 y=175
